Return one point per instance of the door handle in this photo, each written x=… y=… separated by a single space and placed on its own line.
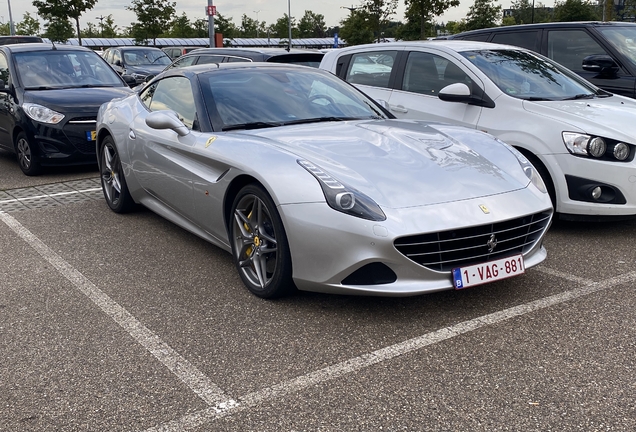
x=398 y=108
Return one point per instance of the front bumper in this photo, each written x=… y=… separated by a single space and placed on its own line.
x=328 y=246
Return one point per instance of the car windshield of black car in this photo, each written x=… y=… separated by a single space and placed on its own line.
x=64 y=69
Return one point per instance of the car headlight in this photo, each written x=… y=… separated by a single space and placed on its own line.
x=343 y=198
x=528 y=169
x=42 y=114
x=597 y=147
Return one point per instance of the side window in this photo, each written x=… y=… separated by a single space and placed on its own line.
x=428 y=73
x=183 y=62
x=116 y=56
x=207 y=59
x=481 y=37
x=173 y=93
x=4 y=70
x=570 y=47
x=371 y=68
x=231 y=59
x=524 y=39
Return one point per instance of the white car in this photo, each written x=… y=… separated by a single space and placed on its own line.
x=580 y=138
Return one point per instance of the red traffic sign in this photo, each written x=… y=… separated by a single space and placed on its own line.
x=210 y=10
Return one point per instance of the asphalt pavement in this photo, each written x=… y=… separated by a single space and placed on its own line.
x=126 y=322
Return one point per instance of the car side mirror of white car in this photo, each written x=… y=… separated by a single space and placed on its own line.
x=457 y=92
x=166 y=119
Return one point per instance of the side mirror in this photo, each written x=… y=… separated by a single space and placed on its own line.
x=166 y=119
x=117 y=63
x=458 y=92
x=129 y=79
x=601 y=64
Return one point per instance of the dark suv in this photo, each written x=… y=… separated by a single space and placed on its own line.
x=603 y=53
x=306 y=57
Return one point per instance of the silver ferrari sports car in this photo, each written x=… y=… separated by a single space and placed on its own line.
x=312 y=185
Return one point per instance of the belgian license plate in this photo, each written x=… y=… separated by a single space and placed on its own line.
x=464 y=277
x=91 y=135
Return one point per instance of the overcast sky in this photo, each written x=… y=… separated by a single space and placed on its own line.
x=265 y=10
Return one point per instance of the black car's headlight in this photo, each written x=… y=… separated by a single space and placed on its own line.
x=343 y=198
x=42 y=114
x=597 y=147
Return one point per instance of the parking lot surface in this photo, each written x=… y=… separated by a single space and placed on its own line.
x=127 y=322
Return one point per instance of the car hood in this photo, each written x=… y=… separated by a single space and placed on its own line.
x=145 y=69
x=401 y=163
x=76 y=99
x=612 y=117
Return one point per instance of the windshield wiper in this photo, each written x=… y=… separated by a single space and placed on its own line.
x=581 y=96
x=536 y=99
x=253 y=125
x=319 y=120
x=42 y=88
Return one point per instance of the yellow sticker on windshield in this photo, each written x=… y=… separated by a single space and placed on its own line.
x=210 y=141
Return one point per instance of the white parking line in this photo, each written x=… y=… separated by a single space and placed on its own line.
x=12 y=200
x=222 y=406
x=285 y=388
x=184 y=370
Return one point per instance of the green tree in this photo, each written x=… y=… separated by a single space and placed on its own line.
x=5 y=30
x=29 y=26
x=153 y=17
x=357 y=28
x=379 y=12
x=454 y=27
x=281 y=30
x=523 y=12
x=627 y=12
x=248 y=27
x=422 y=12
x=223 y=25
x=90 y=31
x=60 y=11
x=58 y=29
x=109 y=29
x=180 y=27
x=575 y=10
x=312 y=25
x=483 y=14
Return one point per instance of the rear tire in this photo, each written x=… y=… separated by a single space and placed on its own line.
x=28 y=156
x=113 y=180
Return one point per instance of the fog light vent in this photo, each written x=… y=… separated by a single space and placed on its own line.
x=371 y=274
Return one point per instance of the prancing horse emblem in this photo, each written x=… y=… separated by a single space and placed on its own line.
x=492 y=243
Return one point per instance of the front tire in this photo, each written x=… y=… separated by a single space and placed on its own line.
x=28 y=156
x=113 y=181
x=259 y=244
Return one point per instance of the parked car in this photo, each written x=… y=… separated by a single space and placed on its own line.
x=309 y=183
x=603 y=53
x=10 y=40
x=137 y=62
x=176 y=52
x=49 y=97
x=300 y=56
x=579 y=137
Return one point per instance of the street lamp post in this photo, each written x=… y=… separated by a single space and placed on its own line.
x=289 y=24
x=101 y=25
x=11 y=27
x=257 y=24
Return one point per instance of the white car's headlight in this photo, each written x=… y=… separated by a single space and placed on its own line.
x=42 y=114
x=343 y=198
x=597 y=147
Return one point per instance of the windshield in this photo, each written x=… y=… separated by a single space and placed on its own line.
x=263 y=97
x=64 y=69
x=623 y=39
x=523 y=75
x=146 y=57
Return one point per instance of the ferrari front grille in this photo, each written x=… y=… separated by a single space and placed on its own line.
x=445 y=250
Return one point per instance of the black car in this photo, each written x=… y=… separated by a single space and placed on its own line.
x=304 y=57
x=10 y=40
x=603 y=53
x=49 y=98
x=137 y=62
